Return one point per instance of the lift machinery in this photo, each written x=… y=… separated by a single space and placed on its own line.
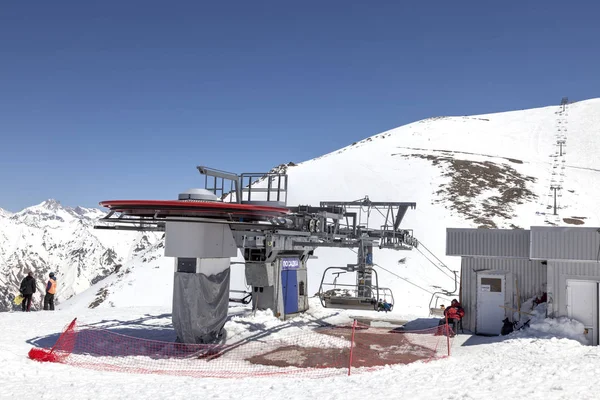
x=204 y=228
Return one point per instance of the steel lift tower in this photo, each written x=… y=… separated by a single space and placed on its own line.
x=204 y=228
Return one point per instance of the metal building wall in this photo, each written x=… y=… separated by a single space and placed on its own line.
x=513 y=243
x=565 y=243
x=531 y=277
x=558 y=273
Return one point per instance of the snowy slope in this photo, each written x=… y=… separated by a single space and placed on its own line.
x=51 y=237
x=481 y=171
x=145 y=279
x=490 y=170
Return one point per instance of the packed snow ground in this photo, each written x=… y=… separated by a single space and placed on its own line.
x=532 y=364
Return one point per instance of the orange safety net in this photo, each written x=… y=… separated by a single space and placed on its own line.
x=306 y=352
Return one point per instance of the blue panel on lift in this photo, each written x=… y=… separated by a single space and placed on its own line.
x=289 y=280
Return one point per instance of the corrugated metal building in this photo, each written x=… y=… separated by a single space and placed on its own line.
x=506 y=243
x=564 y=243
x=501 y=268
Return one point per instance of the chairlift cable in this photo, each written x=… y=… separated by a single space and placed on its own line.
x=434 y=264
x=452 y=277
x=404 y=279
x=427 y=258
x=385 y=217
x=398 y=276
x=434 y=256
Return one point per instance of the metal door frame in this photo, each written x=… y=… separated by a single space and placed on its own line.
x=596 y=323
x=507 y=290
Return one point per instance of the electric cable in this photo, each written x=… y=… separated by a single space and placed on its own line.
x=398 y=276
x=404 y=279
x=435 y=265
x=430 y=252
x=427 y=258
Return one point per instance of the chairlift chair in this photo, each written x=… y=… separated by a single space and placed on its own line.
x=435 y=311
x=345 y=296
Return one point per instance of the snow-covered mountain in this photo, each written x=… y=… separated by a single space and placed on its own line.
x=51 y=214
x=493 y=170
x=51 y=237
x=4 y=213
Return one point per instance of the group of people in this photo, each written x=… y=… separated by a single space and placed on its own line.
x=28 y=288
x=384 y=306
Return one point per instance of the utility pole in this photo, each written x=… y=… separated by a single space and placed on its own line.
x=555 y=188
x=561 y=143
x=563 y=102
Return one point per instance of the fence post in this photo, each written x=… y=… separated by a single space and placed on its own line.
x=351 y=347
x=448 y=335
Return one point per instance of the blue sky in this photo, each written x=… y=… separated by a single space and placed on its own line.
x=122 y=99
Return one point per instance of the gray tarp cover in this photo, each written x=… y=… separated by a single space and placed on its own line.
x=200 y=305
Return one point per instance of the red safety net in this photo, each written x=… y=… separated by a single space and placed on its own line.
x=309 y=352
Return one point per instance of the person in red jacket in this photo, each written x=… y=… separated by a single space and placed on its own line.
x=454 y=313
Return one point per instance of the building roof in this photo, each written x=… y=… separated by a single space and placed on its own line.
x=537 y=243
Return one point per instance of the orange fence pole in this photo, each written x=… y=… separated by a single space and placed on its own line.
x=448 y=335
x=351 y=347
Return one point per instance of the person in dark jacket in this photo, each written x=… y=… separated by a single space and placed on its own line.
x=50 y=291
x=27 y=289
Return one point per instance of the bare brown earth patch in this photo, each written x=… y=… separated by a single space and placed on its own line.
x=469 y=180
x=573 y=221
x=376 y=348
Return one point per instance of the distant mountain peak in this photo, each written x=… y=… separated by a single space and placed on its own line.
x=43 y=207
x=4 y=213
x=51 y=204
x=51 y=212
x=79 y=210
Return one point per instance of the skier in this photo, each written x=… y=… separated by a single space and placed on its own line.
x=50 y=290
x=27 y=289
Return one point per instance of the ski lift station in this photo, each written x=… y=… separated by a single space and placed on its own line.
x=205 y=227
x=500 y=268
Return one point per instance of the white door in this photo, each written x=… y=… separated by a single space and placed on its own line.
x=582 y=305
x=490 y=302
